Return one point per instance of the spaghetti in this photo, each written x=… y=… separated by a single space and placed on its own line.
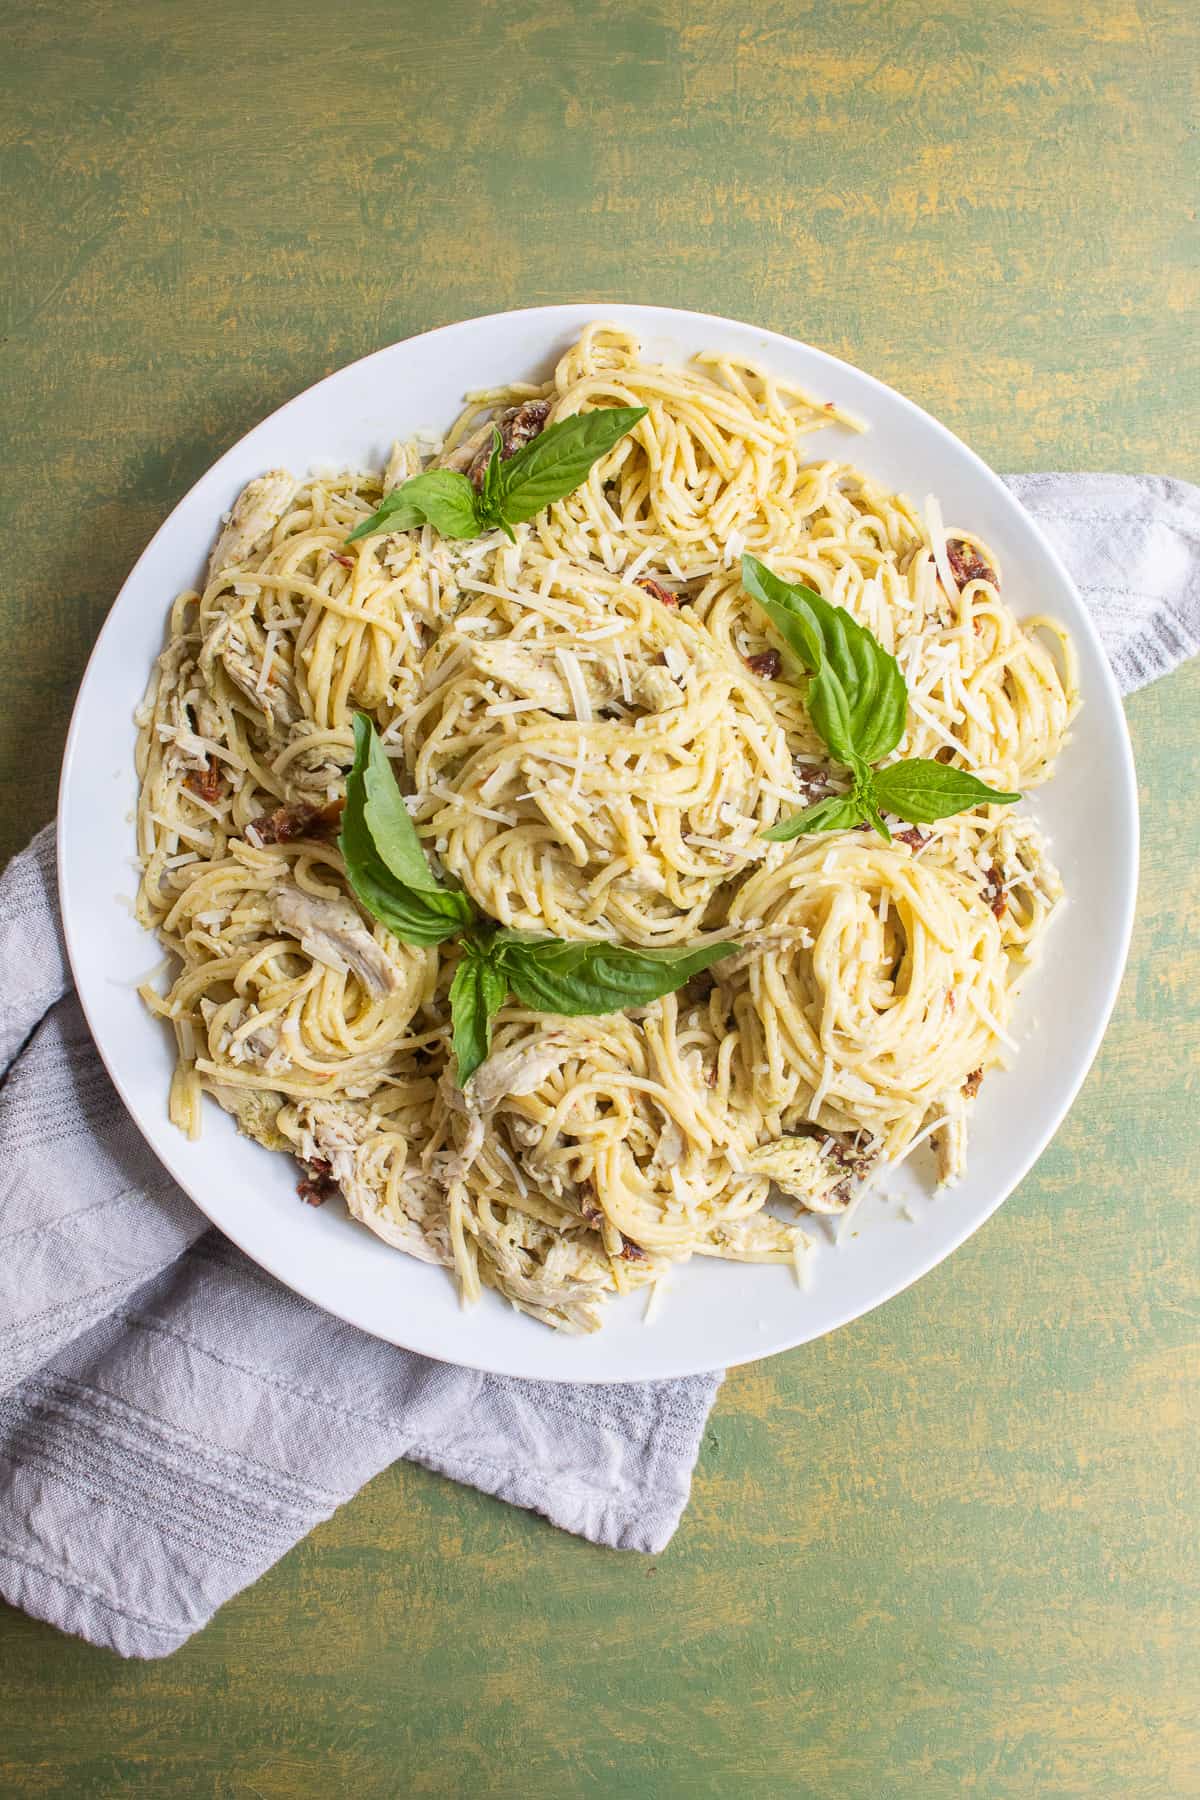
x=594 y=729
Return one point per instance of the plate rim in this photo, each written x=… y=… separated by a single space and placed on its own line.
x=956 y=1235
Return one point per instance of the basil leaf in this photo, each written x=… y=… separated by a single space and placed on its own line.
x=394 y=513
x=857 y=698
x=442 y=497
x=385 y=864
x=553 y=464
x=789 y=611
x=578 y=979
x=837 y=812
x=923 y=790
x=477 y=992
x=876 y=692
x=413 y=917
x=830 y=711
x=387 y=818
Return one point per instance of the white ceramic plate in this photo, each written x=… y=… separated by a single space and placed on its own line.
x=712 y=1313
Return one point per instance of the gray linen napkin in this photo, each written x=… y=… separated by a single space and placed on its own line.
x=172 y=1420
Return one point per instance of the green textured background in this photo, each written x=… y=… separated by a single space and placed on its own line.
x=952 y=1549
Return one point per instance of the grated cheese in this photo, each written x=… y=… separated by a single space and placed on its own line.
x=937 y=543
x=572 y=674
x=623 y=673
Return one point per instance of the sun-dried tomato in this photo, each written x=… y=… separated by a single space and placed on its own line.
x=766 y=664
x=967 y=563
x=205 y=783
x=649 y=586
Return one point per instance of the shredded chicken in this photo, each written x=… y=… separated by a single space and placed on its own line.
x=657 y=690
x=261 y=1047
x=256 y=512
x=327 y=1132
x=256 y=1111
x=332 y=933
x=512 y=1073
x=226 y=644
x=669 y=1149
x=322 y=763
x=801 y=1169
x=758 y=1238
x=530 y=677
x=401 y=465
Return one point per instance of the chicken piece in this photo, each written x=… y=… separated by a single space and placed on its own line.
x=657 y=690
x=262 y=1047
x=800 y=1168
x=226 y=644
x=456 y=1166
x=255 y=1109
x=554 y=1279
x=185 y=752
x=329 y=1134
x=506 y=1074
x=668 y=1152
x=761 y=1238
x=514 y=1072
x=332 y=933
x=416 y=1224
x=400 y=468
x=397 y=1227
x=531 y=676
x=525 y=673
x=464 y=454
x=256 y=512
x=526 y=1134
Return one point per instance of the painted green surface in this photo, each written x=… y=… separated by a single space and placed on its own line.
x=952 y=1549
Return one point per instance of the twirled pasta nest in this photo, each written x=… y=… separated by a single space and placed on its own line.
x=588 y=762
x=876 y=991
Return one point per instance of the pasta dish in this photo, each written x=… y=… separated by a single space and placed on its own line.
x=593 y=724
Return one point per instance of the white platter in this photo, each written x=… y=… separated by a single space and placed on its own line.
x=712 y=1313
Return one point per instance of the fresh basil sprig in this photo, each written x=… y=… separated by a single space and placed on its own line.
x=857 y=699
x=390 y=876
x=515 y=488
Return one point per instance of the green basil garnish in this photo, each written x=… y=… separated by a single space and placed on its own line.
x=923 y=790
x=385 y=864
x=857 y=698
x=573 y=979
x=442 y=497
x=548 y=468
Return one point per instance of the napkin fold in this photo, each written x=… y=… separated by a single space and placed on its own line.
x=172 y=1420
